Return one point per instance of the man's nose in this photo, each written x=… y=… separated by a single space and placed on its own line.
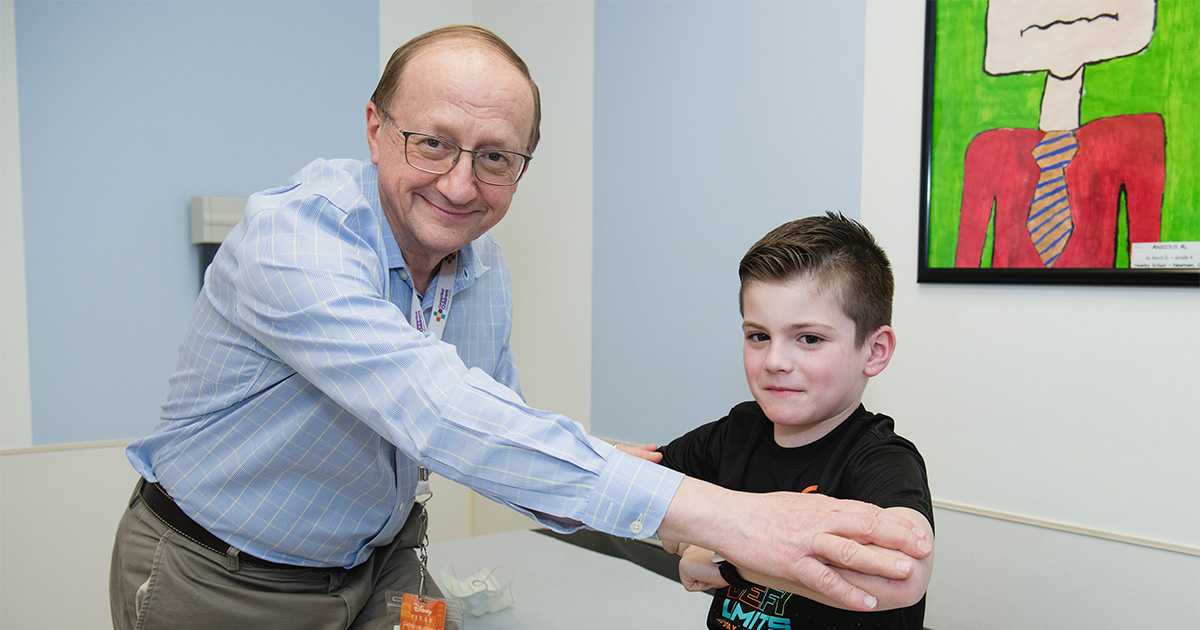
x=459 y=184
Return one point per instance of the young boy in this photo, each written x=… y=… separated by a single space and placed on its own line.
x=816 y=303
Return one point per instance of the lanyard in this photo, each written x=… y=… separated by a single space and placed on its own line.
x=444 y=294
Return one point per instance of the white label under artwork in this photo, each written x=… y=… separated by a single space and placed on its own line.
x=1180 y=255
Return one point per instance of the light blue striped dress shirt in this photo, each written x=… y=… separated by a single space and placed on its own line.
x=303 y=400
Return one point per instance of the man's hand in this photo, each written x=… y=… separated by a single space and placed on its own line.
x=891 y=594
x=800 y=538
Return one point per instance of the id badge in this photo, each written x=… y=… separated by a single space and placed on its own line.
x=421 y=613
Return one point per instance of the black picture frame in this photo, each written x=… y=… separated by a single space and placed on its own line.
x=927 y=273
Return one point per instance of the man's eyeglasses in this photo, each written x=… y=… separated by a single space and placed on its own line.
x=438 y=156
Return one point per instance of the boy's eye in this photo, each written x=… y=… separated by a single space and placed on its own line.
x=757 y=337
x=809 y=339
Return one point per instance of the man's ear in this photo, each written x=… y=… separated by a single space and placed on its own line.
x=879 y=347
x=374 y=126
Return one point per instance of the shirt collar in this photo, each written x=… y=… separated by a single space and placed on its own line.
x=470 y=266
x=468 y=258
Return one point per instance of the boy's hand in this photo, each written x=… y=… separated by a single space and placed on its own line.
x=698 y=572
x=649 y=452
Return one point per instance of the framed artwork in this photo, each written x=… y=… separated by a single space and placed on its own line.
x=1061 y=142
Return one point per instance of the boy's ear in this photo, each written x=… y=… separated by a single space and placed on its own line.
x=879 y=346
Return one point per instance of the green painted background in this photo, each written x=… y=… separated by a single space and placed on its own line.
x=1164 y=78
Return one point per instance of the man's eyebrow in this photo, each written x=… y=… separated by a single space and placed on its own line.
x=442 y=131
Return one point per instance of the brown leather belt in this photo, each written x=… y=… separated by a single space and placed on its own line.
x=163 y=506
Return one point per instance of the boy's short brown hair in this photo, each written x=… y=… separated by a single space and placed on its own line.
x=836 y=252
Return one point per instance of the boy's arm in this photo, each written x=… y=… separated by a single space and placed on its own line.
x=803 y=538
x=891 y=593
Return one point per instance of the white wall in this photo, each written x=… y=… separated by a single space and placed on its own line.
x=1105 y=437
x=60 y=511
x=15 y=428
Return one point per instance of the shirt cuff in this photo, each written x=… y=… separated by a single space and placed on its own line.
x=631 y=497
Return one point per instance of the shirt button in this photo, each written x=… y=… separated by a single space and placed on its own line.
x=636 y=527
x=403 y=275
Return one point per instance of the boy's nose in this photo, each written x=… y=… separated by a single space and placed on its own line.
x=777 y=359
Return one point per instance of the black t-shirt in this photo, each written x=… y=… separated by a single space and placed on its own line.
x=861 y=459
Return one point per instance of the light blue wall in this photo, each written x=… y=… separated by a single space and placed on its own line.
x=714 y=122
x=129 y=108
x=126 y=110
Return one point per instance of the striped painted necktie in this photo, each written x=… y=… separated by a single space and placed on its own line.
x=1049 y=221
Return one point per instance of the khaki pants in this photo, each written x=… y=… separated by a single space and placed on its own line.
x=160 y=580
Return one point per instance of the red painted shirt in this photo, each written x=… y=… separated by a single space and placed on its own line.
x=1120 y=153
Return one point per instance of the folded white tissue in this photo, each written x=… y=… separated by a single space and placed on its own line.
x=480 y=593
